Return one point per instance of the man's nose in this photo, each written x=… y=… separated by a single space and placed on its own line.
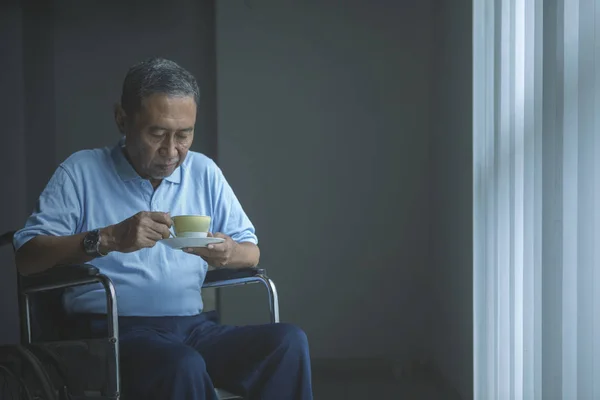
x=169 y=148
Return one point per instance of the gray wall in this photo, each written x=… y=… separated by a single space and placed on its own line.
x=63 y=66
x=12 y=159
x=323 y=115
x=26 y=108
x=451 y=280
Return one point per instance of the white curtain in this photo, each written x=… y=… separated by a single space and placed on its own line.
x=536 y=157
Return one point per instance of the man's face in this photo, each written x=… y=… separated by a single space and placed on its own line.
x=159 y=135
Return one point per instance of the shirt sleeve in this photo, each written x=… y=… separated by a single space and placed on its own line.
x=228 y=215
x=57 y=212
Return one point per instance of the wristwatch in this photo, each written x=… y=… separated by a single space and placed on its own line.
x=91 y=244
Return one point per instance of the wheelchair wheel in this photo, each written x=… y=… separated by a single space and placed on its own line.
x=11 y=386
x=23 y=379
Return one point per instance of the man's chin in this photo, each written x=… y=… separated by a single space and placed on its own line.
x=163 y=173
x=160 y=177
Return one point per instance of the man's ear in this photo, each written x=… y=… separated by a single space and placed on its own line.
x=120 y=118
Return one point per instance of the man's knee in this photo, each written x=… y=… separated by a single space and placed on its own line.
x=290 y=337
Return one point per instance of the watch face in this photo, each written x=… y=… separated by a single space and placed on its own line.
x=90 y=242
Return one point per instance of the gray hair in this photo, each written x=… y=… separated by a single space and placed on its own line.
x=156 y=75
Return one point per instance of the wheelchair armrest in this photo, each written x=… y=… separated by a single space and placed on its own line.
x=60 y=276
x=64 y=276
x=224 y=277
x=228 y=274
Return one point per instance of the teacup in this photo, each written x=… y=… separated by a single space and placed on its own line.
x=191 y=226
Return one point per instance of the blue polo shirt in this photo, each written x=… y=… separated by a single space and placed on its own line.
x=96 y=188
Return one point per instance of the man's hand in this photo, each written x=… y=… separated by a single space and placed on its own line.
x=218 y=254
x=229 y=253
x=140 y=231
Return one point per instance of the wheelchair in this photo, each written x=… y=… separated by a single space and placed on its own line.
x=44 y=324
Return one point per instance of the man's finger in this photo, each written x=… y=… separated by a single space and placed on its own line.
x=149 y=233
x=200 y=251
x=161 y=217
x=220 y=235
x=218 y=247
x=159 y=229
x=148 y=243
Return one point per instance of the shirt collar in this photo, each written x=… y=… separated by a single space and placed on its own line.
x=127 y=172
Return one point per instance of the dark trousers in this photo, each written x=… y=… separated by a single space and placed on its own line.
x=177 y=358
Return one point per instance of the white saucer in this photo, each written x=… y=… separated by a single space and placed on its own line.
x=183 y=242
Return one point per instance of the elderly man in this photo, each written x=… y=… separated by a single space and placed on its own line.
x=113 y=205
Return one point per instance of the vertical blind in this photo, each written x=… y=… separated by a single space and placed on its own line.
x=536 y=165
